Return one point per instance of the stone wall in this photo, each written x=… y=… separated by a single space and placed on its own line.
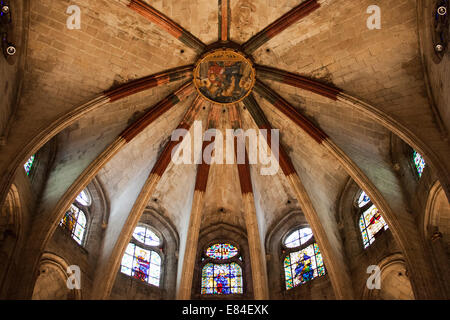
x=12 y=69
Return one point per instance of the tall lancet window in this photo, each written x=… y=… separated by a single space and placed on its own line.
x=29 y=165
x=222 y=270
x=303 y=260
x=142 y=259
x=371 y=223
x=75 y=220
x=419 y=163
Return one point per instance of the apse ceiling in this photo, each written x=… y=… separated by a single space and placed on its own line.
x=295 y=59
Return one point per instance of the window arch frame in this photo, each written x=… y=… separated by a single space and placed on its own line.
x=238 y=259
x=286 y=251
x=359 y=214
x=157 y=249
x=86 y=209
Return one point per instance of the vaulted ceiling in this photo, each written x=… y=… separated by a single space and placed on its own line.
x=115 y=45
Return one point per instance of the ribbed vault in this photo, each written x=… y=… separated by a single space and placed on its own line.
x=113 y=107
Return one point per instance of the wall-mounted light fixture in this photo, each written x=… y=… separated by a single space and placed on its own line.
x=5 y=9
x=442 y=10
x=5 y=12
x=440 y=28
x=8 y=48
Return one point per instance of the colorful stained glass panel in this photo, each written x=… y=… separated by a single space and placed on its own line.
x=29 y=164
x=141 y=264
x=222 y=279
x=363 y=199
x=419 y=162
x=74 y=221
x=303 y=266
x=222 y=251
x=371 y=223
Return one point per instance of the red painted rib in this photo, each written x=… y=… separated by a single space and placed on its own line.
x=298 y=81
x=149 y=82
x=281 y=24
x=166 y=156
x=310 y=128
x=167 y=24
x=154 y=113
x=201 y=180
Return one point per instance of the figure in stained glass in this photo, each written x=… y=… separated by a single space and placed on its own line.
x=371 y=223
x=140 y=263
x=74 y=221
x=306 y=263
x=224 y=278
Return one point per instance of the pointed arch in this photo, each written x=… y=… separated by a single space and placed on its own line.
x=51 y=283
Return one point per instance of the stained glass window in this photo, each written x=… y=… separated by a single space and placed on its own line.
x=222 y=279
x=142 y=264
x=298 y=238
x=141 y=261
x=419 y=162
x=29 y=164
x=371 y=223
x=84 y=198
x=363 y=199
x=75 y=222
x=146 y=236
x=222 y=251
x=303 y=266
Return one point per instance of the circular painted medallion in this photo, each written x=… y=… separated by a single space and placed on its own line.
x=224 y=76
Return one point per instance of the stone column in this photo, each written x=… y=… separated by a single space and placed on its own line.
x=190 y=254
x=257 y=257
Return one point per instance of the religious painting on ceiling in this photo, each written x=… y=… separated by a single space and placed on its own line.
x=224 y=76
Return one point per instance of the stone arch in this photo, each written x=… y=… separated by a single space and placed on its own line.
x=437 y=213
x=383 y=250
x=436 y=231
x=84 y=255
x=51 y=283
x=10 y=213
x=126 y=287
x=223 y=233
x=10 y=231
x=100 y=199
x=351 y=167
x=319 y=288
x=395 y=283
